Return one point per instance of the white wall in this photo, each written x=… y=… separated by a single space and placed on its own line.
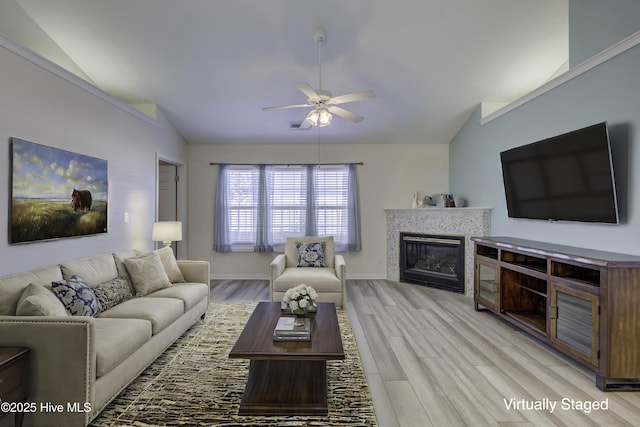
x=39 y=106
x=16 y=24
x=388 y=178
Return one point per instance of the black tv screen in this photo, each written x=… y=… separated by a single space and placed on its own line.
x=567 y=177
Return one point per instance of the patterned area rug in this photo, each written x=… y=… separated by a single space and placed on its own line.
x=194 y=383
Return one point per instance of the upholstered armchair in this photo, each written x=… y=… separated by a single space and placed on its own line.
x=312 y=261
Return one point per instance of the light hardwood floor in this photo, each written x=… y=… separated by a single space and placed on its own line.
x=431 y=360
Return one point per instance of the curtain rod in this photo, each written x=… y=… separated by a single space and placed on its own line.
x=286 y=164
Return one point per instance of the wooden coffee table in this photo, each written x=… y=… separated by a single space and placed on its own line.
x=287 y=378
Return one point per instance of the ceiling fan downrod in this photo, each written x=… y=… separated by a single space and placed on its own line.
x=320 y=37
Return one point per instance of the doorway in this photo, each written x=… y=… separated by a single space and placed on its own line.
x=168 y=194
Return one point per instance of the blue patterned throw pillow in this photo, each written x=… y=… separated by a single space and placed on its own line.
x=311 y=254
x=77 y=297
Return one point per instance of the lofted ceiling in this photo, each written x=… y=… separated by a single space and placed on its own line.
x=211 y=65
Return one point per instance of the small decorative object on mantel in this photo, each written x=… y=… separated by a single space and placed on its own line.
x=421 y=202
x=450 y=201
x=446 y=200
x=301 y=299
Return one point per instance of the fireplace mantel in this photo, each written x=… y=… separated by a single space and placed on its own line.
x=467 y=222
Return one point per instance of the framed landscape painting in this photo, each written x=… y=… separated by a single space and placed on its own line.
x=55 y=193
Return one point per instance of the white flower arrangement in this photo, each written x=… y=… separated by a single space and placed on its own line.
x=301 y=299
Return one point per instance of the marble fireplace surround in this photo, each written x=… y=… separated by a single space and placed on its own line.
x=467 y=222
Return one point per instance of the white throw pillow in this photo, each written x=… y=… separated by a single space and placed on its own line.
x=147 y=273
x=170 y=264
x=36 y=300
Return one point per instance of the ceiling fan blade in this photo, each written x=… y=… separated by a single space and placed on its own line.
x=351 y=97
x=307 y=90
x=285 y=107
x=345 y=114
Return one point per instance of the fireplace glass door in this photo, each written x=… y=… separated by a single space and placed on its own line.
x=436 y=261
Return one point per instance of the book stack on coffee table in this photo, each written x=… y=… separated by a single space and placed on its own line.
x=292 y=329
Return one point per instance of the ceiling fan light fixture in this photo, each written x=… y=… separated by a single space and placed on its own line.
x=322 y=101
x=324 y=118
x=312 y=118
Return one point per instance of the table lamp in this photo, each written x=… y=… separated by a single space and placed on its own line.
x=167 y=232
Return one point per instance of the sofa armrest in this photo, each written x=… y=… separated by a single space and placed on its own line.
x=341 y=268
x=195 y=271
x=62 y=363
x=276 y=268
x=341 y=272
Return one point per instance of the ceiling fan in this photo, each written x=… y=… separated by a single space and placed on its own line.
x=323 y=102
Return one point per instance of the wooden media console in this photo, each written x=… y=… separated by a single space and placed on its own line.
x=584 y=303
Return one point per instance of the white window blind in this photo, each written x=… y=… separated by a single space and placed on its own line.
x=242 y=194
x=287 y=202
x=331 y=191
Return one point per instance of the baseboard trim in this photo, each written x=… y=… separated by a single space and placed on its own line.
x=367 y=277
x=238 y=277
x=264 y=277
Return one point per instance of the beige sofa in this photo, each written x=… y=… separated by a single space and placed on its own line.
x=328 y=279
x=82 y=360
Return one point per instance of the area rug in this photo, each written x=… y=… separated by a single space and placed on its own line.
x=194 y=383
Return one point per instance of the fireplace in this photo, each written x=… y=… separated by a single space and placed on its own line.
x=433 y=260
x=467 y=222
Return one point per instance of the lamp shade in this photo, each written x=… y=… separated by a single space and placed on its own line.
x=167 y=231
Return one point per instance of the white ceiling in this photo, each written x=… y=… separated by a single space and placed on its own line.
x=211 y=65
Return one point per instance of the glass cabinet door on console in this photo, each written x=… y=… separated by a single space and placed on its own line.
x=575 y=322
x=486 y=289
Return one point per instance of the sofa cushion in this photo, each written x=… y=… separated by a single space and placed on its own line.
x=147 y=273
x=189 y=293
x=77 y=297
x=170 y=264
x=119 y=258
x=322 y=279
x=161 y=312
x=311 y=254
x=113 y=292
x=36 y=300
x=93 y=270
x=116 y=339
x=128 y=253
x=12 y=287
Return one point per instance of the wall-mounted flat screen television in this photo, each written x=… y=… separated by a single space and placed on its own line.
x=568 y=177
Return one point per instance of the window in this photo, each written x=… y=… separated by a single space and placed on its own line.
x=331 y=195
x=258 y=207
x=243 y=204
x=287 y=209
